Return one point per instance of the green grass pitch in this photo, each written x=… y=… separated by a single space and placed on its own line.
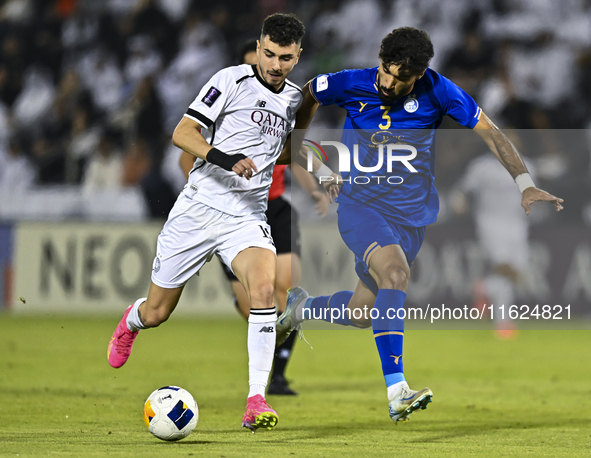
x=58 y=397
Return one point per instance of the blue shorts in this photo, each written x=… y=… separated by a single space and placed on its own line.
x=365 y=229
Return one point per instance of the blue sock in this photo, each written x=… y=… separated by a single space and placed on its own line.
x=330 y=308
x=389 y=333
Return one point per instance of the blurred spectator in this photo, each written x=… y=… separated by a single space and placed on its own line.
x=529 y=73
x=174 y=9
x=471 y=63
x=70 y=92
x=136 y=163
x=4 y=126
x=111 y=35
x=583 y=88
x=149 y=19
x=57 y=126
x=104 y=171
x=442 y=19
x=79 y=30
x=149 y=111
x=141 y=168
x=16 y=11
x=329 y=55
x=84 y=139
x=16 y=172
x=342 y=26
x=12 y=68
x=35 y=100
x=502 y=230
x=50 y=162
x=143 y=60
x=101 y=76
x=46 y=50
x=202 y=53
x=69 y=67
x=120 y=8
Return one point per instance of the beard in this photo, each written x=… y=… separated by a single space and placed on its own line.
x=387 y=99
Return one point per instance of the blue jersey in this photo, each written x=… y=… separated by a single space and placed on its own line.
x=386 y=174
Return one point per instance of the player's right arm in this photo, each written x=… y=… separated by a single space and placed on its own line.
x=207 y=107
x=510 y=158
x=461 y=107
x=187 y=136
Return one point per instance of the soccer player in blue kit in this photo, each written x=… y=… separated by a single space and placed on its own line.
x=384 y=205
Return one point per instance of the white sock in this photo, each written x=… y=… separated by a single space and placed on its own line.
x=393 y=390
x=500 y=290
x=133 y=319
x=261 y=348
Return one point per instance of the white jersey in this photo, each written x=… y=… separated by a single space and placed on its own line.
x=241 y=113
x=501 y=223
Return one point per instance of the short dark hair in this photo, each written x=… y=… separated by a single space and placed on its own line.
x=283 y=29
x=408 y=47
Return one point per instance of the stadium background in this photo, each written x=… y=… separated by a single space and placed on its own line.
x=90 y=92
x=104 y=82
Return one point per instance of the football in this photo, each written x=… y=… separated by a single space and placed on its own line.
x=171 y=413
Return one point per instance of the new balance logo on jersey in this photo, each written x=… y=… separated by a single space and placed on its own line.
x=260 y=103
x=266 y=329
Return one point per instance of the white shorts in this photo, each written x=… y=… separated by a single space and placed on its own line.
x=195 y=232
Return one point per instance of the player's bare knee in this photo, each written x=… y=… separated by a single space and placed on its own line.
x=361 y=323
x=394 y=278
x=262 y=295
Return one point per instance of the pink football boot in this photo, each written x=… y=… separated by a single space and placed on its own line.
x=259 y=414
x=120 y=344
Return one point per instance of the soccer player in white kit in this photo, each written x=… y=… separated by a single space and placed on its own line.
x=501 y=227
x=236 y=128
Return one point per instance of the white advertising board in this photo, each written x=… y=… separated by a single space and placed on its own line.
x=93 y=268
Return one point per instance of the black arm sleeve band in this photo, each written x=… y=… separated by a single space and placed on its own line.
x=223 y=160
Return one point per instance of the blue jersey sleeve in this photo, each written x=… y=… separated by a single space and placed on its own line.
x=457 y=104
x=328 y=88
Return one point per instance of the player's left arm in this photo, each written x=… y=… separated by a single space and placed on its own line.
x=186 y=161
x=309 y=183
x=507 y=155
x=304 y=117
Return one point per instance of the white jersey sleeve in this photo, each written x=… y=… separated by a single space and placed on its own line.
x=212 y=99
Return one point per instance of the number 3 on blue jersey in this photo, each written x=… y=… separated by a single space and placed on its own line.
x=386 y=117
